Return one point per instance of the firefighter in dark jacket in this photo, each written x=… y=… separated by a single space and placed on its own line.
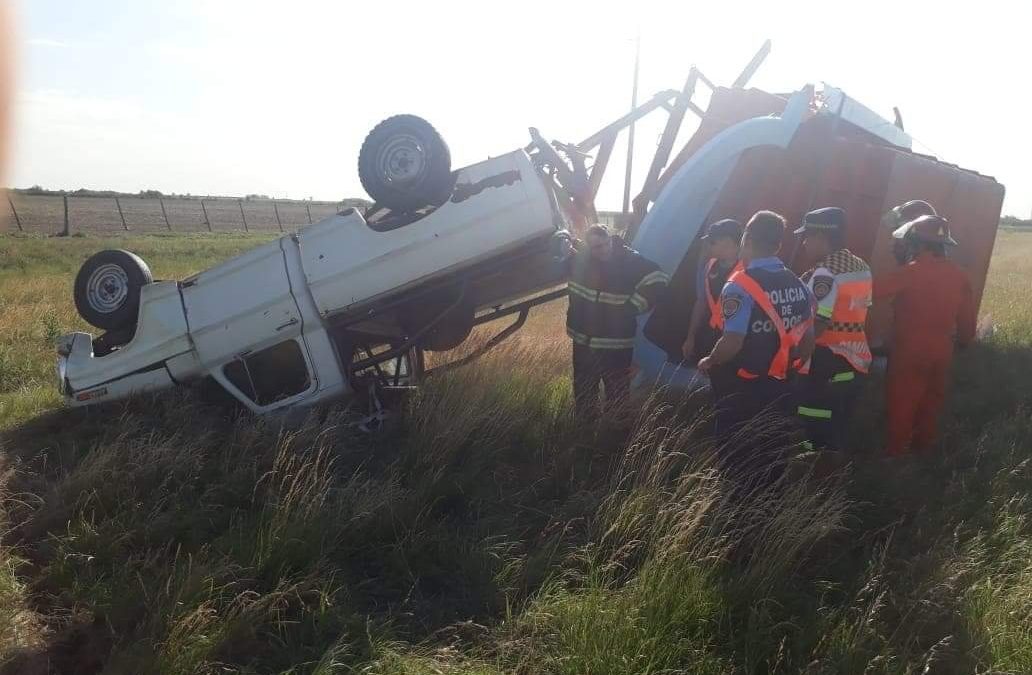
x=610 y=285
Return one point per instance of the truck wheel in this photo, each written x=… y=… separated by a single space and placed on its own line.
x=404 y=164
x=450 y=331
x=107 y=288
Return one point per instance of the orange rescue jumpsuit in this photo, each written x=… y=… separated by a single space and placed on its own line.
x=933 y=304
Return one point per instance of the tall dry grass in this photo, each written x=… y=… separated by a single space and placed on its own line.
x=483 y=532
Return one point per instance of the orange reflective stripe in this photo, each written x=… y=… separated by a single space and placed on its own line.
x=716 y=315
x=746 y=375
x=779 y=365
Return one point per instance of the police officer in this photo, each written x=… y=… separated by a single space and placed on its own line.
x=841 y=285
x=934 y=305
x=768 y=330
x=722 y=240
x=610 y=285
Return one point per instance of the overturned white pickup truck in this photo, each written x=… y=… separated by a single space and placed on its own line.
x=347 y=300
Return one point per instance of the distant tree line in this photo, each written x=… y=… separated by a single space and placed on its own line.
x=37 y=190
x=1014 y=221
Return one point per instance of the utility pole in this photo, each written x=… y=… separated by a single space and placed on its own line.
x=630 y=130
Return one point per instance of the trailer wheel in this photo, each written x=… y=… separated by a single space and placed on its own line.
x=404 y=164
x=107 y=288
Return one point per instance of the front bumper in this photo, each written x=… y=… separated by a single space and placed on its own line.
x=81 y=383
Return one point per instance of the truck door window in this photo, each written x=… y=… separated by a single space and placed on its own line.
x=272 y=374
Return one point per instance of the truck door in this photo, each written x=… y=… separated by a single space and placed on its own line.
x=248 y=329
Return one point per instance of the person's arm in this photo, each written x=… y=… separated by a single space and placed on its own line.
x=648 y=290
x=735 y=306
x=823 y=286
x=967 y=317
x=698 y=315
x=727 y=348
x=699 y=311
x=807 y=344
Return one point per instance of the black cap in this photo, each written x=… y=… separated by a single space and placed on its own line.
x=727 y=228
x=828 y=219
x=766 y=227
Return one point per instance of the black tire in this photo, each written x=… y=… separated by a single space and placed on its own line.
x=107 y=288
x=404 y=164
x=450 y=331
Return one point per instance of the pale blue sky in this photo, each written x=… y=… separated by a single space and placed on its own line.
x=235 y=96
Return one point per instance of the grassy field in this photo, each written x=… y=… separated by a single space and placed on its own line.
x=482 y=533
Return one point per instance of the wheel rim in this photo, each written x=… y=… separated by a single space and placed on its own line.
x=402 y=160
x=107 y=288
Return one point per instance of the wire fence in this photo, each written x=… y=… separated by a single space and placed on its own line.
x=67 y=215
x=71 y=214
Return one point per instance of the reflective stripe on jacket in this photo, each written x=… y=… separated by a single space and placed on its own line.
x=607 y=296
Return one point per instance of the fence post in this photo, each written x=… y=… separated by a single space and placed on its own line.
x=308 y=209
x=162 y=202
x=205 y=211
x=275 y=207
x=15 y=212
x=121 y=215
x=240 y=203
x=67 y=227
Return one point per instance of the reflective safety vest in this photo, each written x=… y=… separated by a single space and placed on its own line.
x=842 y=286
x=782 y=362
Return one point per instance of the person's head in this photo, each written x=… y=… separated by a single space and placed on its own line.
x=763 y=235
x=600 y=242
x=823 y=231
x=722 y=240
x=898 y=217
x=926 y=234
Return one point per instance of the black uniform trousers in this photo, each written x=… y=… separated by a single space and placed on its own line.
x=827 y=398
x=739 y=400
x=610 y=368
x=768 y=404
